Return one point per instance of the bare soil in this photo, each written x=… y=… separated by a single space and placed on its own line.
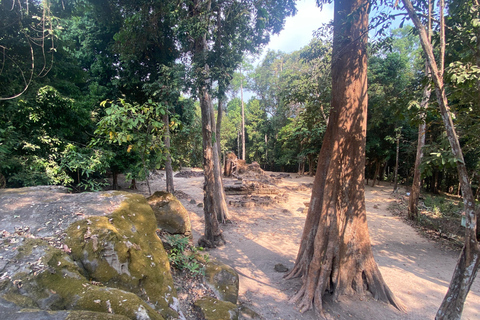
x=416 y=268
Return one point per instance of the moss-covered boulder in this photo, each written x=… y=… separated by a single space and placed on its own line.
x=171 y=215
x=122 y=250
x=213 y=309
x=58 y=284
x=223 y=280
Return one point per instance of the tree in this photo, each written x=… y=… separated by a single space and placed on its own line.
x=246 y=26
x=335 y=254
x=469 y=260
x=139 y=127
x=415 y=192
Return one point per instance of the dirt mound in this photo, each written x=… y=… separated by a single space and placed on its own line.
x=189 y=174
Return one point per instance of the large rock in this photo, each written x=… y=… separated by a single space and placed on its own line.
x=97 y=253
x=171 y=215
x=223 y=280
x=213 y=309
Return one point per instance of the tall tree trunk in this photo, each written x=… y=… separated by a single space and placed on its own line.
x=335 y=254
x=168 y=162
x=468 y=262
x=415 y=192
x=243 y=122
x=395 y=179
x=213 y=236
x=220 y=203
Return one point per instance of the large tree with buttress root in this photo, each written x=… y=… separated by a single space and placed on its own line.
x=335 y=255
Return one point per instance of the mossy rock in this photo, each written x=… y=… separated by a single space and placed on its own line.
x=223 y=280
x=246 y=313
x=122 y=250
x=59 y=285
x=213 y=309
x=171 y=215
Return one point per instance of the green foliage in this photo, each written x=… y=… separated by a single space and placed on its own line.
x=442 y=206
x=183 y=256
x=139 y=128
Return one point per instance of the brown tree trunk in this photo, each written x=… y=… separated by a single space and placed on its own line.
x=213 y=236
x=243 y=122
x=377 y=172
x=468 y=262
x=168 y=162
x=335 y=255
x=220 y=204
x=397 y=154
x=115 y=180
x=415 y=192
x=311 y=164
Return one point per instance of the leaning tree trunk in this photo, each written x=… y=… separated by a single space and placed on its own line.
x=220 y=203
x=468 y=262
x=335 y=255
x=168 y=162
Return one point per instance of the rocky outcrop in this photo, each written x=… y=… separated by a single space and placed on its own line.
x=170 y=214
x=94 y=254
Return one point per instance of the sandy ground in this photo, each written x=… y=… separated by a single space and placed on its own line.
x=416 y=269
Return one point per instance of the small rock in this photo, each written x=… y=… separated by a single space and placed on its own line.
x=280 y=268
x=193 y=201
x=200 y=205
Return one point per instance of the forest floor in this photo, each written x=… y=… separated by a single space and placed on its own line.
x=415 y=267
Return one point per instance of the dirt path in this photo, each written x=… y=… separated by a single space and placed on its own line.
x=417 y=270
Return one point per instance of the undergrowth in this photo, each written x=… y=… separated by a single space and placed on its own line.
x=439 y=216
x=185 y=257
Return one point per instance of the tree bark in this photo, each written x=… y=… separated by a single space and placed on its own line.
x=468 y=262
x=168 y=163
x=377 y=172
x=221 y=210
x=395 y=179
x=335 y=254
x=213 y=236
x=415 y=192
x=243 y=122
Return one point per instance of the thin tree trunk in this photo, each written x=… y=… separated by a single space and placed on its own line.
x=243 y=121
x=115 y=180
x=377 y=173
x=168 y=162
x=220 y=203
x=395 y=179
x=335 y=255
x=468 y=262
x=415 y=192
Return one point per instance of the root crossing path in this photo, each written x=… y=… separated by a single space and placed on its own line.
x=416 y=269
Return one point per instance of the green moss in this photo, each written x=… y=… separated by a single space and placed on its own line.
x=213 y=309
x=223 y=280
x=89 y=315
x=122 y=250
x=27 y=247
x=110 y=300
x=20 y=300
